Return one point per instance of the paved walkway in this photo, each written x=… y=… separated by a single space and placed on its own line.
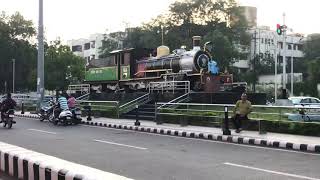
x=298 y=139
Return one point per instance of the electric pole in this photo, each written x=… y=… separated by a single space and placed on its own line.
x=254 y=60
x=13 y=74
x=284 y=79
x=40 y=65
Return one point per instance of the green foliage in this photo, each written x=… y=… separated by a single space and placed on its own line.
x=58 y=58
x=311 y=47
x=207 y=18
x=15 y=31
x=110 y=43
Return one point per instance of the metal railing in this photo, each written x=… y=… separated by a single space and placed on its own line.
x=215 y=113
x=181 y=99
x=83 y=97
x=174 y=86
x=129 y=106
x=101 y=106
x=83 y=88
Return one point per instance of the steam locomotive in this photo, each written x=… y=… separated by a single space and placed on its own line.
x=134 y=69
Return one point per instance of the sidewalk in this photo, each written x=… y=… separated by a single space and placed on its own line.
x=297 y=139
x=276 y=140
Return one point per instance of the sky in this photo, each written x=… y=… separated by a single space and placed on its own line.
x=73 y=19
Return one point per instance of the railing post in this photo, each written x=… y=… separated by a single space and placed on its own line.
x=261 y=130
x=22 y=108
x=118 y=110
x=226 y=130
x=137 y=123
x=89 y=112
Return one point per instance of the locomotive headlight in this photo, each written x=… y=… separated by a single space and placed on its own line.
x=202 y=61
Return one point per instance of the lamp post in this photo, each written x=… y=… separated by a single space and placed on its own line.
x=284 y=78
x=13 y=74
x=40 y=64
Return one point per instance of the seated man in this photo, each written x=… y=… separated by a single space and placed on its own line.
x=6 y=105
x=242 y=109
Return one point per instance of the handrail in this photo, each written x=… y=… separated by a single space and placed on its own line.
x=134 y=100
x=83 y=96
x=232 y=105
x=80 y=101
x=172 y=101
x=169 y=85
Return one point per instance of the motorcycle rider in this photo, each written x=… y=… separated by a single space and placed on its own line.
x=71 y=102
x=6 y=105
x=63 y=105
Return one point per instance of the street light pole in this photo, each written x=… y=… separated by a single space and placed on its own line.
x=284 y=91
x=13 y=74
x=40 y=65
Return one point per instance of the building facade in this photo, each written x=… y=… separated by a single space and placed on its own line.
x=90 y=48
x=87 y=48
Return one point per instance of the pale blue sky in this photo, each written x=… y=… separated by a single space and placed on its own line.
x=80 y=18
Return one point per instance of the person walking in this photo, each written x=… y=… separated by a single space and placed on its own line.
x=241 y=111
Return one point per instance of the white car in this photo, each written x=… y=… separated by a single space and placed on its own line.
x=301 y=101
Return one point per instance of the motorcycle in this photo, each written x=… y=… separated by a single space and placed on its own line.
x=8 y=119
x=46 y=112
x=76 y=115
x=64 y=117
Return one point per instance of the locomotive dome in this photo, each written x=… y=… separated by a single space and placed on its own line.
x=163 y=51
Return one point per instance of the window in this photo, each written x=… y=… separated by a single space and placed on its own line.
x=86 y=46
x=300 y=47
x=280 y=45
x=93 y=44
x=77 y=48
x=93 y=57
x=262 y=40
x=315 y=101
x=289 y=46
x=305 y=100
x=272 y=42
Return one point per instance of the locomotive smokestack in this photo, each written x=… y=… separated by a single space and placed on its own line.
x=196 y=42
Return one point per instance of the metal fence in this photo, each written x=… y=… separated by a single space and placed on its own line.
x=263 y=117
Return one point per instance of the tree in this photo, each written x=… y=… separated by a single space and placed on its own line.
x=58 y=59
x=311 y=47
x=111 y=42
x=15 y=33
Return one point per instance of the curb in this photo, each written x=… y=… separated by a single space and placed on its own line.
x=213 y=137
x=21 y=163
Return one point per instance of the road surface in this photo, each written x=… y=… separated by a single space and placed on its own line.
x=146 y=156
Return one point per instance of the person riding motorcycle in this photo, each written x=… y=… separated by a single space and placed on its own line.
x=63 y=105
x=6 y=105
x=71 y=102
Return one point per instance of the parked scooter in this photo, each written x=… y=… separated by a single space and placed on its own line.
x=8 y=119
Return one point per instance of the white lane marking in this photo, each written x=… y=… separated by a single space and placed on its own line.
x=211 y=141
x=118 y=144
x=269 y=171
x=38 y=130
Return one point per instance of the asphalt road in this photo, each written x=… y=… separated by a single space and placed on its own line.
x=148 y=156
